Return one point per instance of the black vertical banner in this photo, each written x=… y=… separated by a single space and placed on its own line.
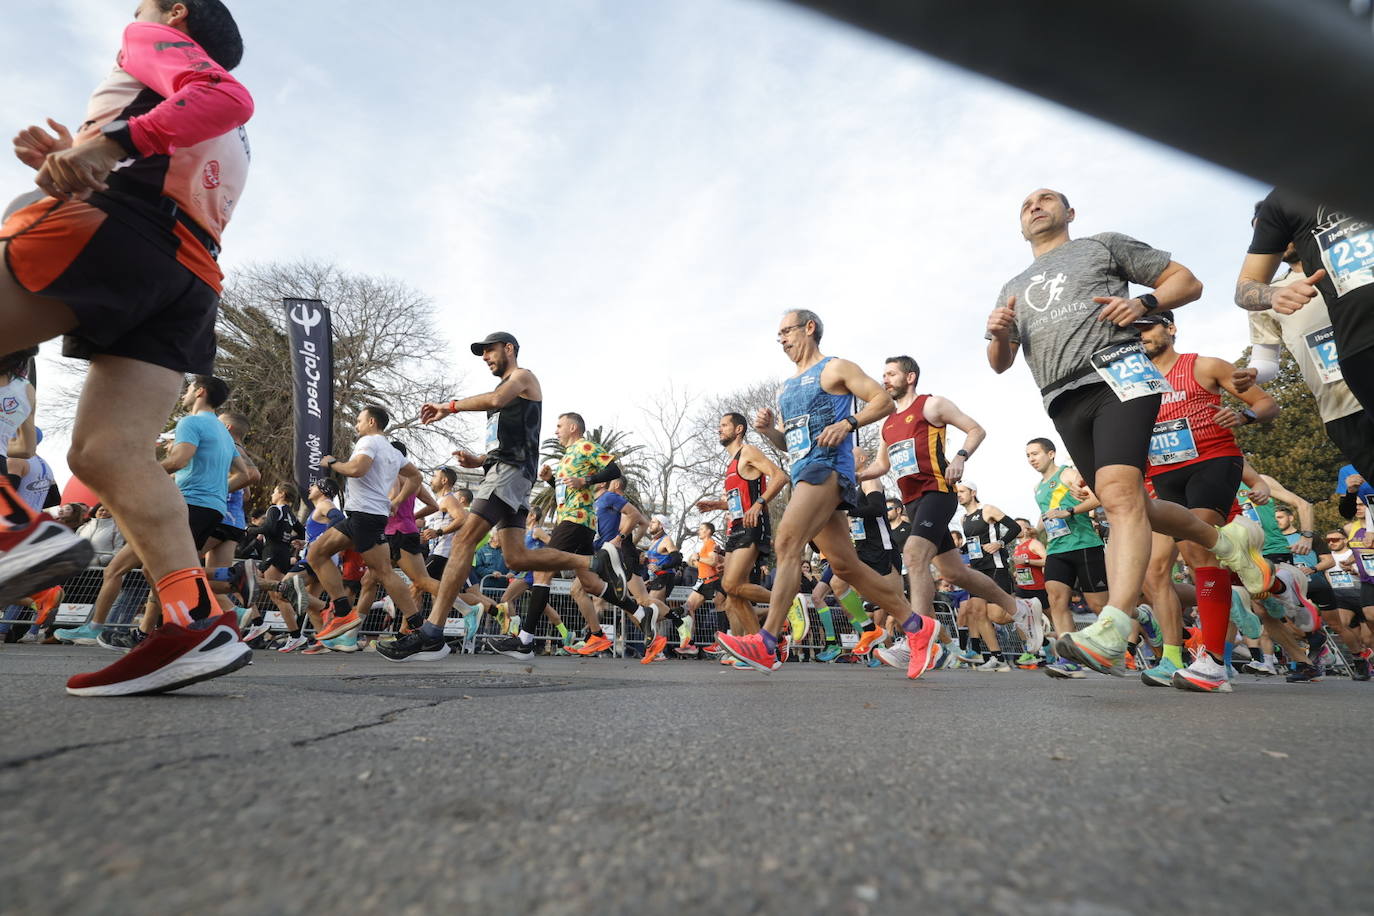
x=312 y=376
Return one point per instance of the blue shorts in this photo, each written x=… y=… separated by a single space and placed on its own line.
x=819 y=472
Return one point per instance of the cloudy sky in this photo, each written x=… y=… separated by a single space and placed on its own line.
x=637 y=190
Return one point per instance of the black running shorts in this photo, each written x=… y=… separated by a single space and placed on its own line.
x=1099 y=430
x=1209 y=484
x=570 y=537
x=1084 y=569
x=929 y=515
x=404 y=542
x=365 y=529
x=203 y=523
x=124 y=276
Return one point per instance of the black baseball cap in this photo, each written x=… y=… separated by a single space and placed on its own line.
x=497 y=337
x=1146 y=321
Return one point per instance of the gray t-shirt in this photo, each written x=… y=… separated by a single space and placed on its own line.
x=1056 y=317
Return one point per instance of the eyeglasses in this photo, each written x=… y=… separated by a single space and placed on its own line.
x=784 y=331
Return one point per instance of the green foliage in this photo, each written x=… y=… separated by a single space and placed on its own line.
x=1294 y=449
x=613 y=440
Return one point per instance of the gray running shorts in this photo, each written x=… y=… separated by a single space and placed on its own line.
x=503 y=496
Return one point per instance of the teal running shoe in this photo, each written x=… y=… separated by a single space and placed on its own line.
x=830 y=653
x=1245 y=620
x=1161 y=675
x=472 y=622
x=345 y=643
x=85 y=635
x=1065 y=670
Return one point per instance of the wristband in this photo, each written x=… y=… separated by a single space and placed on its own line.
x=118 y=131
x=452 y=406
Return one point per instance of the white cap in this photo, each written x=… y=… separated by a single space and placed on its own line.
x=662 y=521
x=968 y=484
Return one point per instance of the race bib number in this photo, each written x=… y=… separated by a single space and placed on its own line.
x=1024 y=578
x=1172 y=441
x=856 y=529
x=733 y=504
x=975 y=549
x=1322 y=345
x=902 y=456
x=1348 y=254
x=560 y=491
x=1340 y=578
x=493 y=433
x=797 y=431
x=1128 y=371
x=1056 y=527
x=1365 y=560
x=1250 y=510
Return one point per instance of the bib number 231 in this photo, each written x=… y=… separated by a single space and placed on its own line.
x=1128 y=371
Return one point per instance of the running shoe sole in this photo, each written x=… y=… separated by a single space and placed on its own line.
x=333 y=632
x=47 y=557
x=1070 y=649
x=222 y=655
x=429 y=655
x=1183 y=682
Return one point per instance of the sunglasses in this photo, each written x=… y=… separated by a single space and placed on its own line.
x=1334 y=540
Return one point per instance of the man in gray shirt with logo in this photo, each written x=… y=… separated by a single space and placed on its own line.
x=1070 y=313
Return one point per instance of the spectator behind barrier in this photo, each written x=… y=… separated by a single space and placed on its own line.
x=104 y=535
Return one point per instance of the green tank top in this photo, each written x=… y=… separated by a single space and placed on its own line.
x=1064 y=534
x=1275 y=542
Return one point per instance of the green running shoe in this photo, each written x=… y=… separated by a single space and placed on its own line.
x=1100 y=647
x=1246 y=622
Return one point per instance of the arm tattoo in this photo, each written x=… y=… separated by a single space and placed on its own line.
x=1254 y=296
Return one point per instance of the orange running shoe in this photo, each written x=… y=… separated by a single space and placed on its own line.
x=750 y=650
x=655 y=650
x=598 y=643
x=869 y=639
x=336 y=625
x=1130 y=662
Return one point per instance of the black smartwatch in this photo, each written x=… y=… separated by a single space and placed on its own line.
x=1150 y=301
x=118 y=131
x=1249 y=415
x=853 y=422
x=961 y=453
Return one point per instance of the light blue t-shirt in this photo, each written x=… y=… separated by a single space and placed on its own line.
x=1365 y=491
x=205 y=480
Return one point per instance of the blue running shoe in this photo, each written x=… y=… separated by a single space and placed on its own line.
x=85 y=635
x=1066 y=670
x=1161 y=675
x=830 y=653
x=1149 y=626
x=472 y=623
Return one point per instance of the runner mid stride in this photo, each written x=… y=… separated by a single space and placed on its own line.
x=501 y=502
x=818 y=427
x=122 y=262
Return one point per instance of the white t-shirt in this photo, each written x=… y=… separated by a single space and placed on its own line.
x=14 y=410
x=370 y=492
x=1308 y=336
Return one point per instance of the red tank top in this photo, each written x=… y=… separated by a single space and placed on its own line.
x=1031 y=578
x=916 y=450
x=740 y=494
x=1184 y=431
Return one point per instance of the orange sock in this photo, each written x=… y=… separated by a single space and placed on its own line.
x=186 y=598
x=14 y=512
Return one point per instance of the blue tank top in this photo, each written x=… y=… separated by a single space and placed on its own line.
x=807 y=409
x=532 y=542
x=655 y=555
x=234 y=515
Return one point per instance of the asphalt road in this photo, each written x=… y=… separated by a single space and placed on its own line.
x=348 y=784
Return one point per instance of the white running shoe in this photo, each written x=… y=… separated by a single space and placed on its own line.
x=894 y=656
x=994 y=665
x=294 y=642
x=1204 y=675
x=38 y=557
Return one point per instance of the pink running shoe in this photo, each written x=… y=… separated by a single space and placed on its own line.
x=923 y=648
x=750 y=650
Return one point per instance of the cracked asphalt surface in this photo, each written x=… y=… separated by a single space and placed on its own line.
x=350 y=784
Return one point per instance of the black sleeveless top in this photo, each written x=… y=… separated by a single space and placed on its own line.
x=513 y=435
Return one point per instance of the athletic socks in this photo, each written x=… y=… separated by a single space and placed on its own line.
x=186 y=599
x=563 y=631
x=854 y=606
x=1174 y=654
x=964 y=637
x=431 y=631
x=824 y=614
x=1226 y=655
x=539 y=600
x=14 y=512
x=770 y=641
x=913 y=624
x=1213 y=606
